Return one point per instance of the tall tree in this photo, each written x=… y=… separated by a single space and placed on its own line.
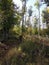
x=46 y=17
x=30 y=14
x=37 y=4
x=23 y=13
x=35 y=22
x=8 y=16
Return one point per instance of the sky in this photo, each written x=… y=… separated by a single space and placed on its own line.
x=30 y=3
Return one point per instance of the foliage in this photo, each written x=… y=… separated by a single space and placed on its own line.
x=25 y=56
x=34 y=31
x=37 y=4
x=47 y=31
x=44 y=32
x=47 y=2
x=32 y=48
x=28 y=52
x=8 y=12
x=15 y=31
x=29 y=30
x=9 y=17
x=45 y=15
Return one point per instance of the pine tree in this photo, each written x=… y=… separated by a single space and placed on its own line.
x=8 y=13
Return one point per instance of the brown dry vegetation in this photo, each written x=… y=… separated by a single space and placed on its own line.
x=7 y=51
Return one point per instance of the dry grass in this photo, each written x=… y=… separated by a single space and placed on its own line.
x=8 y=52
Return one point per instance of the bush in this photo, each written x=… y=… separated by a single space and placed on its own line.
x=28 y=53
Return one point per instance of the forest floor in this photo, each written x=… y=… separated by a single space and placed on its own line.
x=6 y=51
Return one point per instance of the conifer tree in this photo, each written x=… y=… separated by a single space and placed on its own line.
x=8 y=13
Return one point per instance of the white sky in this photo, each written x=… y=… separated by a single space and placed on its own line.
x=29 y=3
x=18 y=3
